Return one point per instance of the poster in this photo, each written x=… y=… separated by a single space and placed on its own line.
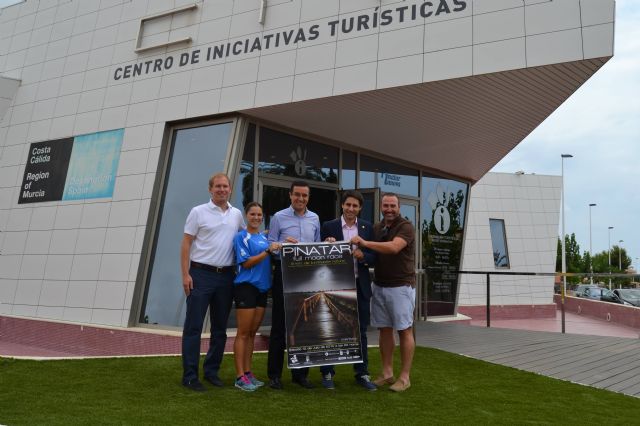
x=321 y=306
x=93 y=165
x=72 y=168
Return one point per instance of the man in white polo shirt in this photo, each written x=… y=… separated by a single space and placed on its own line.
x=207 y=263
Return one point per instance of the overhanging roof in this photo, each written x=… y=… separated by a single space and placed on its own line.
x=460 y=127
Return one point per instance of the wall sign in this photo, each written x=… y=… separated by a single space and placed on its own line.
x=72 y=169
x=369 y=21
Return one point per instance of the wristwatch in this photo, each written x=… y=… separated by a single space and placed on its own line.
x=267 y=250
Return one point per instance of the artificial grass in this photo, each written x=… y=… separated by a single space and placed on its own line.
x=446 y=389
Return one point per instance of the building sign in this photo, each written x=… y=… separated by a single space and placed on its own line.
x=321 y=304
x=391 y=179
x=442 y=237
x=379 y=17
x=72 y=169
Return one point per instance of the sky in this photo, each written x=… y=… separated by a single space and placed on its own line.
x=4 y=3
x=600 y=126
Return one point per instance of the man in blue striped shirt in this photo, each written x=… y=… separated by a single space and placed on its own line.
x=295 y=224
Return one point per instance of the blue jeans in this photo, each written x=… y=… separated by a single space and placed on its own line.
x=361 y=368
x=214 y=291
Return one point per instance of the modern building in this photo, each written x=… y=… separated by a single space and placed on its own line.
x=114 y=113
x=512 y=226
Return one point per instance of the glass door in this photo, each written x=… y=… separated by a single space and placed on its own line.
x=371 y=207
x=273 y=194
x=409 y=210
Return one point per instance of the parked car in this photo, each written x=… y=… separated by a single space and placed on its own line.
x=581 y=288
x=603 y=294
x=629 y=295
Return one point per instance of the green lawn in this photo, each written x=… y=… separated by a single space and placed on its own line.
x=446 y=389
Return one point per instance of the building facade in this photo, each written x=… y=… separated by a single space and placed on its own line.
x=512 y=226
x=115 y=112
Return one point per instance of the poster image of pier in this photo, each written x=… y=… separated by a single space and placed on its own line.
x=321 y=308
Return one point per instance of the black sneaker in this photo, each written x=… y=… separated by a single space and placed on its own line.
x=275 y=384
x=194 y=385
x=304 y=382
x=215 y=381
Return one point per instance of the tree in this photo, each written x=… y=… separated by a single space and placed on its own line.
x=601 y=264
x=575 y=262
x=586 y=262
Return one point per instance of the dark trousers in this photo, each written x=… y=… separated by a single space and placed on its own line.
x=277 y=338
x=213 y=291
x=361 y=368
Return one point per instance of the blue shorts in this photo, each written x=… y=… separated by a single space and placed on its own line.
x=392 y=307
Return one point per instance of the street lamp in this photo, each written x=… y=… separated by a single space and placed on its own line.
x=564 y=253
x=590 y=249
x=610 y=228
x=620 y=259
x=620 y=255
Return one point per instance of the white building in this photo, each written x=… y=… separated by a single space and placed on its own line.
x=115 y=112
x=512 y=227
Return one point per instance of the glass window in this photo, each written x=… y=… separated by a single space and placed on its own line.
x=349 y=163
x=288 y=155
x=243 y=187
x=196 y=154
x=499 y=243
x=389 y=177
x=368 y=211
x=443 y=209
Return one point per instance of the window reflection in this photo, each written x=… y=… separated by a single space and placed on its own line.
x=389 y=177
x=243 y=188
x=349 y=163
x=289 y=155
x=197 y=154
x=499 y=243
x=443 y=208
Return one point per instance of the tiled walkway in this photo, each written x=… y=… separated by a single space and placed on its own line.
x=611 y=363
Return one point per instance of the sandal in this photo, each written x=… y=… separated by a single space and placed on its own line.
x=400 y=385
x=381 y=380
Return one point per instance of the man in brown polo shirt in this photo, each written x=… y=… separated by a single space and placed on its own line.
x=393 y=291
